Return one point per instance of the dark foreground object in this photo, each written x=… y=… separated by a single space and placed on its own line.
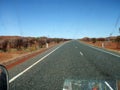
x=4 y=83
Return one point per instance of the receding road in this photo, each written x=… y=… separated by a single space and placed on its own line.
x=72 y=59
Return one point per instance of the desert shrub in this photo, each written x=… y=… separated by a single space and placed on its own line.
x=93 y=40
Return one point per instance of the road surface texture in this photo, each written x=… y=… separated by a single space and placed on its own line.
x=71 y=60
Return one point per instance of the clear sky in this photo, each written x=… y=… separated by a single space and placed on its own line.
x=59 y=18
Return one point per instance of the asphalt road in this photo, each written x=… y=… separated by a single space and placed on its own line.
x=71 y=60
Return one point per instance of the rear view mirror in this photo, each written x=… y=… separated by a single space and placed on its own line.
x=4 y=82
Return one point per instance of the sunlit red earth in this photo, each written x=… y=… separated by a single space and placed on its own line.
x=11 y=59
x=107 y=45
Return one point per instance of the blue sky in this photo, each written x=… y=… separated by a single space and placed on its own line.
x=59 y=18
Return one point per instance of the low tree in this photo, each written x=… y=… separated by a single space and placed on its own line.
x=118 y=41
x=41 y=42
x=3 y=45
x=93 y=40
x=85 y=39
x=19 y=43
x=100 y=39
x=25 y=43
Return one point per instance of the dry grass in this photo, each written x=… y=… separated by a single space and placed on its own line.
x=107 y=45
x=13 y=54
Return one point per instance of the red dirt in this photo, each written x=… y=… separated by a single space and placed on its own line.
x=11 y=59
x=108 y=45
x=9 y=66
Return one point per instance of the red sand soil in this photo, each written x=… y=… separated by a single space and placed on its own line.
x=108 y=45
x=11 y=59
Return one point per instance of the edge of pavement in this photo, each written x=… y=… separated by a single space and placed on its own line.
x=21 y=59
x=105 y=50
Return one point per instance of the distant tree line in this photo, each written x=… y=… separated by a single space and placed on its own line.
x=118 y=41
x=24 y=42
x=93 y=39
x=115 y=39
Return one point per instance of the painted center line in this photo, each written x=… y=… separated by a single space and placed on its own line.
x=21 y=73
x=81 y=53
x=101 y=50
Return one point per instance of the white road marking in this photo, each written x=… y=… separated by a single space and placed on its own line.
x=81 y=53
x=109 y=85
x=102 y=50
x=18 y=75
